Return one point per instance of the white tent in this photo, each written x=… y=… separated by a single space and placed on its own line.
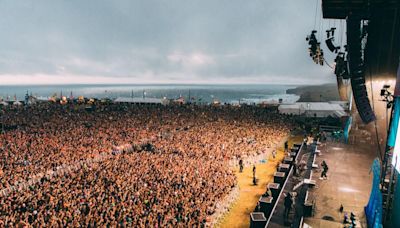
x=313 y=109
x=135 y=100
x=17 y=103
x=4 y=103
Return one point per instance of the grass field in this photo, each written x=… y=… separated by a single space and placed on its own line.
x=239 y=213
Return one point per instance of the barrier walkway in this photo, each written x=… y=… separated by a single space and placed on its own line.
x=294 y=184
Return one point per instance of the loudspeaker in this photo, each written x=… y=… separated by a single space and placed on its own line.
x=357 y=69
x=266 y=204
x=361 y=98
x=331 y=46
x=257 y=220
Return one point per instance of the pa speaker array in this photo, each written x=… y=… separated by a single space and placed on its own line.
x=357 y=70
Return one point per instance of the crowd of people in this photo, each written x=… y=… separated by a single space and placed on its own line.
x=175 y=180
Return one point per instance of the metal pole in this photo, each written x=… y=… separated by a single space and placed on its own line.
x=387 y=124
x=385 y=164
x=389 y=197
x=387 y=149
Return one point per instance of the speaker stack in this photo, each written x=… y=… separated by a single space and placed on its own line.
x=357 y=69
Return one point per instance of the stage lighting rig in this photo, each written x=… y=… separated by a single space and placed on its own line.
x=387 y=96
x=341 y=69
x=330 y=32
x=315 y=51
x=329 y=40
x=331 y=46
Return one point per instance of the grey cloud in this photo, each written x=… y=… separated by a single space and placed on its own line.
x=216 y=39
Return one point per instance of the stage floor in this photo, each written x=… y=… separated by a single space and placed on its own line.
x=348 y=184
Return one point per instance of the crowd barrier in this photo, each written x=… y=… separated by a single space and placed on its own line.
x=263 y=212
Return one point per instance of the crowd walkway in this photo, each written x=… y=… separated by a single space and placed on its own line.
x=239 y=213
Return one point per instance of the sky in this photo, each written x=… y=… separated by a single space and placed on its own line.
x=158 y=41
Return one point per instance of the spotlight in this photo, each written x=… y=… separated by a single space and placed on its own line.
x=328 y=33
x=330 y=45
x=333 y=31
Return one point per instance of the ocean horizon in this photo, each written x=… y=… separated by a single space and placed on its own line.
x=225 y=93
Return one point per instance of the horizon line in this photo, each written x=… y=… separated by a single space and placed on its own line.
x=150 y=83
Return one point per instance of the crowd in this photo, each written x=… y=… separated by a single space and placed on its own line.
x=176 y=181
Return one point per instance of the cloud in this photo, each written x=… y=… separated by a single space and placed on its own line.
x=158 y=41
x=190 y=61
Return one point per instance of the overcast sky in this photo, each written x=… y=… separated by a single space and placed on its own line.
x=164 y=41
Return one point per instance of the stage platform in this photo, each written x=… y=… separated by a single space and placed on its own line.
x=348 y=184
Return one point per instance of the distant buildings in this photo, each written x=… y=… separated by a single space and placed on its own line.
x=315 y=109
x=135 y=100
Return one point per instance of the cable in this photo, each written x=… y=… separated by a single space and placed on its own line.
x=375 y=121
x=320 y=25
x=341 y=33
x=315 y=17
x=328 y=64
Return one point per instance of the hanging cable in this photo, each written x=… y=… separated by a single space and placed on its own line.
x=315 y=17
x=320 y=25
x=341 y=33
x=375 y=121
x=328 y=64
x=330 y=20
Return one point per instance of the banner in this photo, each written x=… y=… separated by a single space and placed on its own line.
x=396 y=204
x=373 y=210
x=347 y=129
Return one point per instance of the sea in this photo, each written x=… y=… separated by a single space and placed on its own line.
x=200 y=93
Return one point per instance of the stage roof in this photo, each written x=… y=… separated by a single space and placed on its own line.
x=339 y=9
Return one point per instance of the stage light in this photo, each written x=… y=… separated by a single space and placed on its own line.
x=331 y=46
x=333 y=31
x=329 y=34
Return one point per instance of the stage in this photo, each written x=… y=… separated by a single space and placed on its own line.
x=348 y=184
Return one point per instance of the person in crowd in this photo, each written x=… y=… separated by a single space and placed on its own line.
x=295 y=168
x=241 y=165
x=288 y=205
x=126 y=165
x=325 y=169
x=274 y=154
x=268 y=192
x=254 y=175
